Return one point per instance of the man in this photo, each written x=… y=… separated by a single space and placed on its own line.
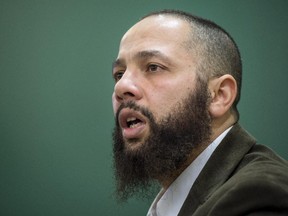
x=177 y=85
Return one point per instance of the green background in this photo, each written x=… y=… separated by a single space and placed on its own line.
x=55 y=95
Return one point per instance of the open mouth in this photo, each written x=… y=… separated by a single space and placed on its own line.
x=132 y=123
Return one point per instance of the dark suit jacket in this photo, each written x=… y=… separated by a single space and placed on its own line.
x=240 y=178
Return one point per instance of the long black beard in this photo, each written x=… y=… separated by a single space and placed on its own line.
x=166 y=149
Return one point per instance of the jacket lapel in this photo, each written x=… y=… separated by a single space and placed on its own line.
x=219 y=168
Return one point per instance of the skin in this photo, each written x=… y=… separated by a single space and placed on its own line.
x=155 y=69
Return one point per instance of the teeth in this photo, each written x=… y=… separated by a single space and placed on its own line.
x=131 y=119
x=132 y=122
x=133 y=125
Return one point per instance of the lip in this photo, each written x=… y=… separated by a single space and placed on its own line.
x=132 y=132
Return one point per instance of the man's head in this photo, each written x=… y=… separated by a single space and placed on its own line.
x=215 y=49
x=175 y=91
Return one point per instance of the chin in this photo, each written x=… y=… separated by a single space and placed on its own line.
x=134 y=144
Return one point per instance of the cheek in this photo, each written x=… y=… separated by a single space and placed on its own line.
x=163 y=104
x=173 y=96
x=115 y=104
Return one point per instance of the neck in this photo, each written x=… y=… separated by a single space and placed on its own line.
x=221 y=124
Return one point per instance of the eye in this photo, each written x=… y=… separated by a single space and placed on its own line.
x=153 y=68
x=118 y=75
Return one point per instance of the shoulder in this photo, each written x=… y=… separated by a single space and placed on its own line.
x=259 y=185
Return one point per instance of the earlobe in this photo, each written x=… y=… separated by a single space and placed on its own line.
x=223 y=93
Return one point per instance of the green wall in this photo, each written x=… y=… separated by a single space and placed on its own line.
x=55 y=95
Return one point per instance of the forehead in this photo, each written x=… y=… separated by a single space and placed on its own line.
x=161 y=22
x=156 y=32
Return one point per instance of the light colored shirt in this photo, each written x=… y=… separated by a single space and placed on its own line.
x=169 y=202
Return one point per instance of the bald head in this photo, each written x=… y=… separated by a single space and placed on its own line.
x=159 y=30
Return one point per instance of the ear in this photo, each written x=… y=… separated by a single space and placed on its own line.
x=223 y=93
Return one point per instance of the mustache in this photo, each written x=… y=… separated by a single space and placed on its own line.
x=133 y=106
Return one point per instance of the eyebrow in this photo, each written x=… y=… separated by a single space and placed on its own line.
x=118 y=63
x=146 y=54
x=142 y=55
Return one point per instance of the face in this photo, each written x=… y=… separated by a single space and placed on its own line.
x=160 y=106
x=167 y=149
x=154 y=70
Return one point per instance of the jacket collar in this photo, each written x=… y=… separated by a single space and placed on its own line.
x=219 y=167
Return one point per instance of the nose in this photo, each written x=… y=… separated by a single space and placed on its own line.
x=127 y=88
